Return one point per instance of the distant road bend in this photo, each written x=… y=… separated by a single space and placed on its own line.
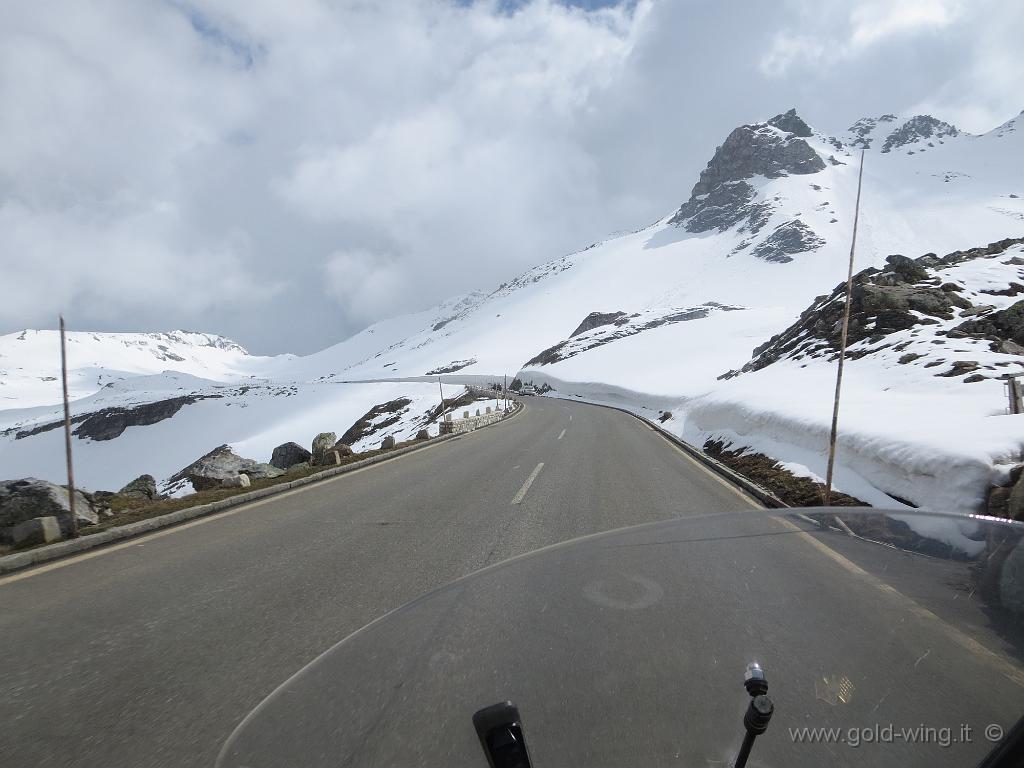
x=150 y=652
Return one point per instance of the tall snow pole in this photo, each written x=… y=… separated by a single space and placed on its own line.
x=67 y=430
x=441 y=389
x=842 y=344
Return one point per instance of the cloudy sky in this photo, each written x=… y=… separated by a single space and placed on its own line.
x=285 y=173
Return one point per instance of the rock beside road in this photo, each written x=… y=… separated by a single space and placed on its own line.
x=322 y=443
x=287 y=455
x=38 y=530
x=30 y=498
x=142 y=487
x=211 y=470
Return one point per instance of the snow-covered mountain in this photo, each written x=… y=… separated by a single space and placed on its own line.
x=654 y=319
x=30 y=361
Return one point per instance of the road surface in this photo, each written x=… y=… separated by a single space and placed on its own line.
x=149 y=653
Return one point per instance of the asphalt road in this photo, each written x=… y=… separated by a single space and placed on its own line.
x=149 y=653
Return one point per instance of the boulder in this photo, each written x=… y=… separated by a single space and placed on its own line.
x=1015 y=502
x=321 y=444
x=219 y=464
x=343 y=449
x=330 y=459
x=1011 y=580
x=142 y=487
x=387 y=443
x=38 y=530
x=423 y=435
x=300 y=467
x=287 y=455
x=29 y=498
x=238 y=481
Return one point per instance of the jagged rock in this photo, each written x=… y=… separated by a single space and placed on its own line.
x=862 y=129
x=379 y=417
x=1006 y=324
x=721 y=197
x=288 y=455
x=142 y=487
x=787 y=240
x=343 y=449
x=423 y=435
x=218 y=465
x=38 y=530
x=916 y=129
x=101 y=502
x=108 y=423
x=889 y=300
x=789 y=121
x=960 y=367
x=387 y=443
x=28 y=498
x=597 y=319
x=238 y=481
x=321 y=444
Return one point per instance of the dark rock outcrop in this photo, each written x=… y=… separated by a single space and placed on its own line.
x=29 y=498
x=452 y=367
x=109 y=423
x=1006 y=324
x=377 y=418
x=863 y=128
x=916 y=129
x=597 y=319
x=220 y=464
x=287 y=455
x=889 y=300
x=112 y=422
x=791 y=123
x=722 y=198
x=142 y=487
x=622 y=328
x=787 y=240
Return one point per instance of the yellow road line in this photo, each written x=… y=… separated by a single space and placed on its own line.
x=1005 y=666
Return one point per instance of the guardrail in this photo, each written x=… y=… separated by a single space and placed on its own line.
x=468 y=423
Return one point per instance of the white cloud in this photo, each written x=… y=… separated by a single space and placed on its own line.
x=835 y=31
x=285 y=172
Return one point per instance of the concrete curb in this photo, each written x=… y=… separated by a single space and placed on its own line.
x=20 y=560
x=763 y=495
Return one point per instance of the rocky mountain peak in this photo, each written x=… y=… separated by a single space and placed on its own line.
x=723 y=198
x=862 y=131
x=918 y=128
x=791 y=123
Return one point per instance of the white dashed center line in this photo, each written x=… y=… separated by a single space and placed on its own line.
x=529 y=481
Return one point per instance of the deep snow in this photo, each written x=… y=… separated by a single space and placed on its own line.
x=935 y=441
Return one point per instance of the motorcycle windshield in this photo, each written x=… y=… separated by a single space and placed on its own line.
x=888 y=639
